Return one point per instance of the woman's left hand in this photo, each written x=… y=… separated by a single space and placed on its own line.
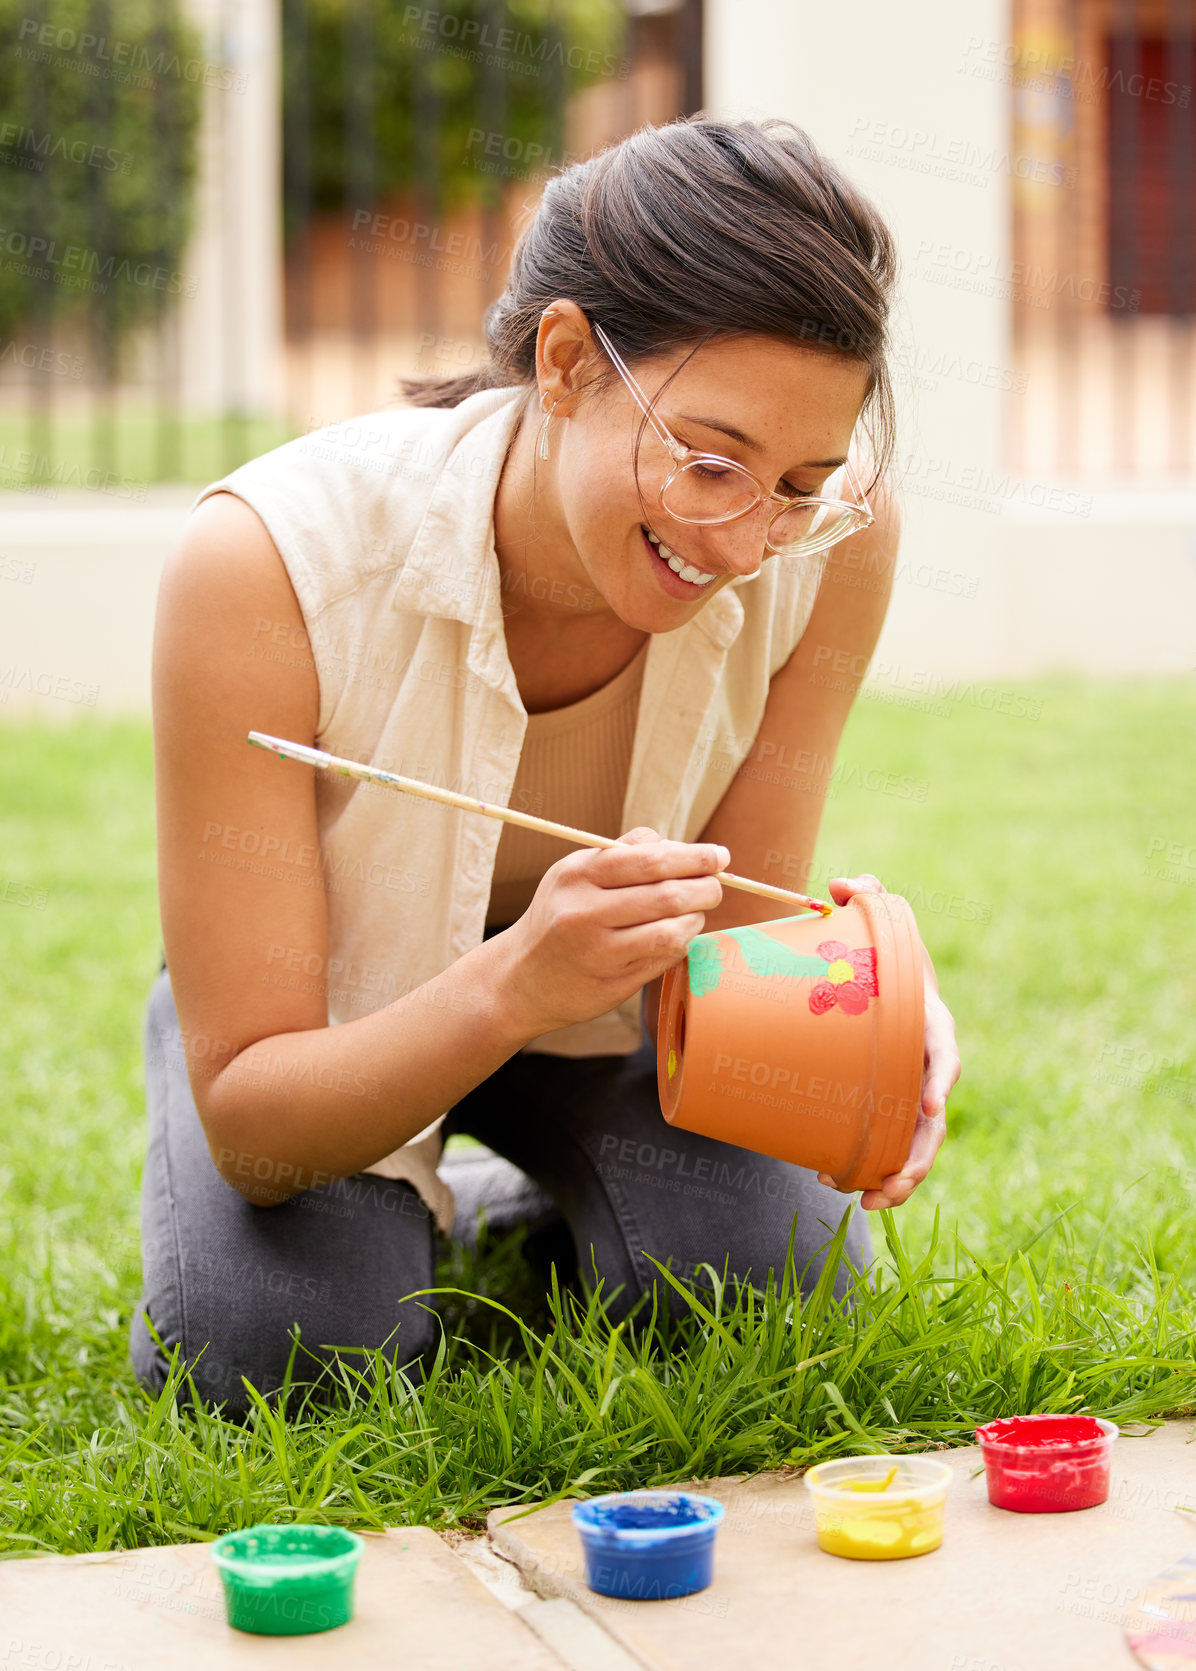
x=940 y=1070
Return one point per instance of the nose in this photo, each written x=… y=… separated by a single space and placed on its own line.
x=741 y=544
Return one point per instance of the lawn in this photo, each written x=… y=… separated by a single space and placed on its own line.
x=1048 y=1263
x=126 y=446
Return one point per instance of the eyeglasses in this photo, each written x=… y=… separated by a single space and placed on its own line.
x=708 y=489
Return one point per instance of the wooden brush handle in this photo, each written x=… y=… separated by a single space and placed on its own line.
x=469 y=803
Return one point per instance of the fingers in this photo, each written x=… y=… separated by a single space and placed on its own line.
x=648 y=949
x=942 y=1067
x=641 y=856
x=940 y=1072
x=641 y=833
x=680 y=896
x=842 y=888
x=899 y=1186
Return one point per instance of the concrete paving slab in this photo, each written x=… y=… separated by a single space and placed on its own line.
x=417 y=1605
x=578 y=1640
x=1005 y=1592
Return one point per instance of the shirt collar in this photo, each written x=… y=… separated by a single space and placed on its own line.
x=452 y=569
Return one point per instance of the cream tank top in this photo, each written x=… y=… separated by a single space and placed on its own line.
x=573 y=769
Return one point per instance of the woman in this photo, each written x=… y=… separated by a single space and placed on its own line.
x=598 y=580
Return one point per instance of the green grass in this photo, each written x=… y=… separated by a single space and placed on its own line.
x=121 y=452
x=1048 y=1262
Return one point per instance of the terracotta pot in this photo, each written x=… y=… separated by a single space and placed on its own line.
x=801 y=1039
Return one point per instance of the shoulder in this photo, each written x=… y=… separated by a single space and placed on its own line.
x=343 y=503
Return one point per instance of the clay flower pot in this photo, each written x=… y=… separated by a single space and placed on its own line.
x=801 y=1039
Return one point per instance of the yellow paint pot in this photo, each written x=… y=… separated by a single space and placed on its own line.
x=856 y=1514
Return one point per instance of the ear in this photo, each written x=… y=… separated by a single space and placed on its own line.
x=565 y=351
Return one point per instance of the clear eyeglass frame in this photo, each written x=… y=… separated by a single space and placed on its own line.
x=843 y=516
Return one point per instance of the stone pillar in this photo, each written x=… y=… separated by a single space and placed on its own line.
x=232 y=327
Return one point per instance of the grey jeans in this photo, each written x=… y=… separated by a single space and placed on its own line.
x=231 y=1280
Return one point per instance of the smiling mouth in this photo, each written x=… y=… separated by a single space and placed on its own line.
x=687 y=571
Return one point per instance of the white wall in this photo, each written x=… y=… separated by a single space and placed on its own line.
x=78 y=588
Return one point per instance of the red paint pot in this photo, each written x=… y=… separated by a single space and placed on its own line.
x=1047 y=1464
x=801 y=1039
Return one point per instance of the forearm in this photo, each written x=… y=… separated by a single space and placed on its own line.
x=296 y=1110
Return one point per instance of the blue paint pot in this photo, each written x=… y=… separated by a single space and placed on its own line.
x=648 y=1545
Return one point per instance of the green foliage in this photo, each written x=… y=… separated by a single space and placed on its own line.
x=936 y=1345
x=393 y=99
x=111 y=125
x=1046 y=1264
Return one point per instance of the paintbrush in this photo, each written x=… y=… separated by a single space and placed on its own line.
x=467 y=803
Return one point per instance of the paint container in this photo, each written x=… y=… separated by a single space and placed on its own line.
x=648 y=1545
x=1047 y=1464
x=802 y=1039
x=288 y=1580
x=854 y=1516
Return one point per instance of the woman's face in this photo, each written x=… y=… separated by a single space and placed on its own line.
x=785 y=413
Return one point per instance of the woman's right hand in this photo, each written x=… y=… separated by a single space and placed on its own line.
x=603 y=923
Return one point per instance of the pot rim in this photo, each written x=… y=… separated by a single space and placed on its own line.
x=886 y=1139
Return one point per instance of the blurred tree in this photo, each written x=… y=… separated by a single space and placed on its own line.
x=99 y=111
x=447 y=97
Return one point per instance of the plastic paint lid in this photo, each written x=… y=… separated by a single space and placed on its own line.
x=917 y=1479
x=270 y=1552
x=1048 y=1437
x=642 y=1519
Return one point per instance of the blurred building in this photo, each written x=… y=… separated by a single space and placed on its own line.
x=1036 y=160
x=1034 y=157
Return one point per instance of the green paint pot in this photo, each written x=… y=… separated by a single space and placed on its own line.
x=288 y=1580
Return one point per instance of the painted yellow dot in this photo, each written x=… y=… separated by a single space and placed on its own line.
x=672 y=1063
x=839 y=971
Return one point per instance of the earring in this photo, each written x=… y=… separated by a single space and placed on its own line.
x=544 y=429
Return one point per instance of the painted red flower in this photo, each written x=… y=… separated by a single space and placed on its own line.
x=850 y=979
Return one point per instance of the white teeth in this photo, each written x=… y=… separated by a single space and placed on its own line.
x=696 y=577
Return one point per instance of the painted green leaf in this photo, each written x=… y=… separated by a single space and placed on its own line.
x=766 y=956
x=705 y=964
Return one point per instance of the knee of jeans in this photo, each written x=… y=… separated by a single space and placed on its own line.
x=202 y=1374
x=216 y=1371
x=148 y=1359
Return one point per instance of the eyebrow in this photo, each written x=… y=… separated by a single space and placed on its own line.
x=754 y=446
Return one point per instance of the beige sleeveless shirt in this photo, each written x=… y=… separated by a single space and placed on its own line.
x=386 y=527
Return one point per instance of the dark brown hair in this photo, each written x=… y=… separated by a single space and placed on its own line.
x=695 y=230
